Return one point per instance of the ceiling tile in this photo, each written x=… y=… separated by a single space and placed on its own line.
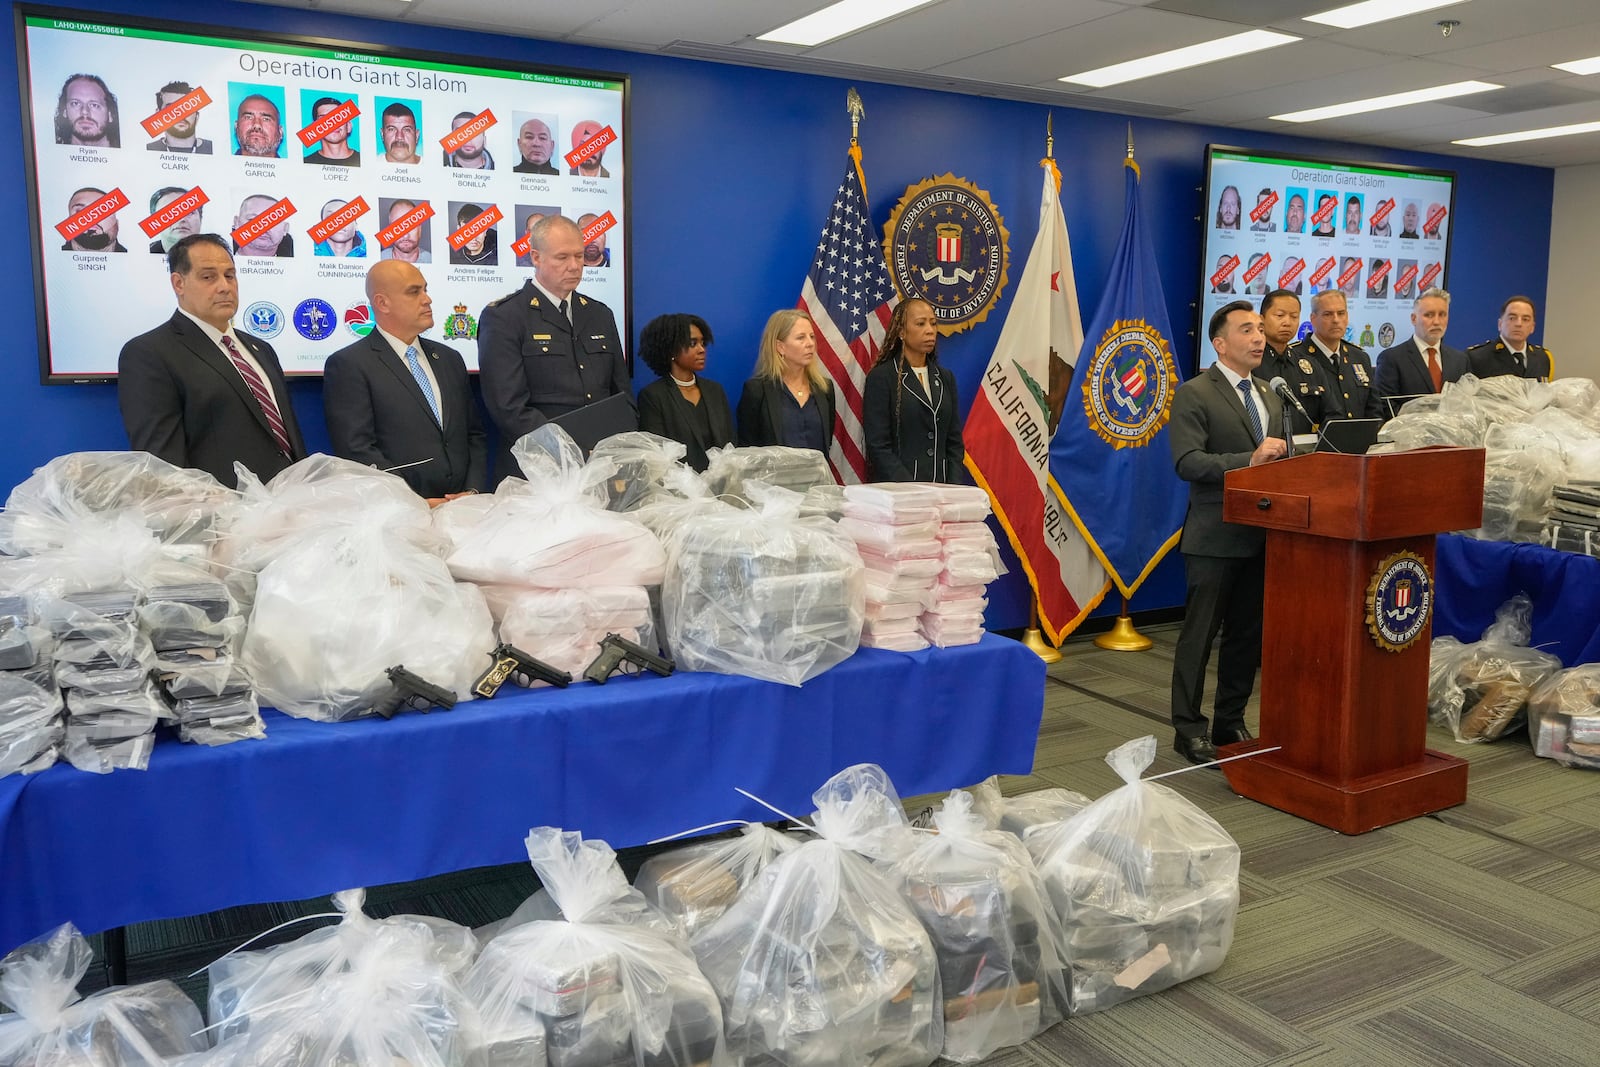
x=943 y=33
x=1263 y=70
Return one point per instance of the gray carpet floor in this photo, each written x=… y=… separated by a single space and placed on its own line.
x=1471 y=937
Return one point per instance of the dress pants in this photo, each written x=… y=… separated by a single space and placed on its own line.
x=1224 y=594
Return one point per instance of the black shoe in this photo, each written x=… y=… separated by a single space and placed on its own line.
x=1195 y=749
x=1231 y=737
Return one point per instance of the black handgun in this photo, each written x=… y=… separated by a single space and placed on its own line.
x=511 y=662
x=615 y=649
x=406 y=690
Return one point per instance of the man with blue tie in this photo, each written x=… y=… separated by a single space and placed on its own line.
x=1223 y=418
x=398 y=401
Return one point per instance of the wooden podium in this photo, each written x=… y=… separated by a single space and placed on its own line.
x=1349 y=713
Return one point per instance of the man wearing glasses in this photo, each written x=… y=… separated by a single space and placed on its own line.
x=86 y=113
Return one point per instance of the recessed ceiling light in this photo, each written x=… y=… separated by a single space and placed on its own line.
x=1194 y=55
x=836 y=20
x=1365 y=14
x=1381 y=103
x=1529 y=135
x=1580 y=66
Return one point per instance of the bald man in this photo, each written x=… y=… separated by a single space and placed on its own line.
x=398 y=401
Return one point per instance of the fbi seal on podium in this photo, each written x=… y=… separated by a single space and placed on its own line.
x=1129 y=384
x=946 y=244
x=1399 y=601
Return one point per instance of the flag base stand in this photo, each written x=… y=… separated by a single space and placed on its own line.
x=1123 y=637
x=1039 y=646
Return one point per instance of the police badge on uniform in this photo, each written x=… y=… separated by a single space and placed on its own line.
x=1361 y=372
x=459 y=325
x=946 y=244
x=1399 y=601
x=1305 y=365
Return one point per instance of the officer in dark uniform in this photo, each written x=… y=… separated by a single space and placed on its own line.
x=1280 y=321
x=1346 y=370
x=547 y=349
x=1512 y=353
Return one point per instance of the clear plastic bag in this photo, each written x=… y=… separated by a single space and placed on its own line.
x=1487 y=694
x=125 y=1026
x=590 y=989
x=999 y=941
x=730 y=470
x=31 y=725
x=643 y=461
x=696 y=884
x=564 y=627
x=1022 y=814
x=1564 y=717
x=364 y=991
x=1146 y=884
x=341 y=606
x=821 y=960
x=763 y=593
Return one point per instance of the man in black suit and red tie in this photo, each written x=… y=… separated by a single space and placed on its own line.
x=1223 y=418
x=396 y=400
x=1424 y=363
x=195 y=392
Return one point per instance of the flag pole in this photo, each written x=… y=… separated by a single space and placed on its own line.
x=1033 y=637
x=1122 y=637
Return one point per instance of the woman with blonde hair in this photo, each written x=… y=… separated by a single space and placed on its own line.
x=789 y=400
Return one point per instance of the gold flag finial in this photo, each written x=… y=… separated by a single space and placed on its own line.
x=1049 y=135
x=1130 y=140
x=858 y=111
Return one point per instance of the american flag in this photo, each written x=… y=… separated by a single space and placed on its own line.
x=849 y=296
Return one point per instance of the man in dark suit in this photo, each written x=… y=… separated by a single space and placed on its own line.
x=396 y=400
x=547 y=349
x=1222 y=419
x=195 y=392
x=1424 y=363
x=1346 y=369
x=1513 y=353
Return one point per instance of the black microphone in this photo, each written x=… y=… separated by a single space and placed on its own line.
x=1281 y=387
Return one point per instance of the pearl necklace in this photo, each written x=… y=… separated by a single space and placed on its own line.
x=681 y=384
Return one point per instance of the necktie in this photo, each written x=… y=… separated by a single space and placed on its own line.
x=415 y=364
x=562 y=307
x=1435 y=371
x=263 y=395
x=1516 y=358
x=1250 y=411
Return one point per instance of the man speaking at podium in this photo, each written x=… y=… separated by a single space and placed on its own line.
x=1222 y=419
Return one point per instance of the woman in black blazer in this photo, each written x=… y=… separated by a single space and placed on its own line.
x=789 y=401
x=680 y=404
x=910 y=414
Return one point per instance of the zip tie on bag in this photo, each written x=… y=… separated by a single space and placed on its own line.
x=264 y=933
x=772 y=807
x=700 y=830
x=1213 y=763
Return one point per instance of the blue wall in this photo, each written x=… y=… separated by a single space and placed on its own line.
x=732 y=170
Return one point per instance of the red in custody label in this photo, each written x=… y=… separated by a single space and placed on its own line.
x=405 y=224
x=319 y=129
x=592 y=147
x=1264 y=208
x=104 y=208
x=263 y=222
x=467 y=131
x=1225 y=271
x=187 y=204
x=175 y=113
x=458 y=240
x=338 y=220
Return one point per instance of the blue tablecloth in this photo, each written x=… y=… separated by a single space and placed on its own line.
x=1475 y=577
x=317 y=807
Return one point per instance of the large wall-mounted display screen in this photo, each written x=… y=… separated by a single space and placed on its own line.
x=1379 y=233
x=312 y=159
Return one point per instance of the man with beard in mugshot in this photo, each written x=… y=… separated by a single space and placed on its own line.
x=180 y=136
x=408 y=246
x=536 y=144
x=86 y=113
x=101 y=236
x=595 y=252
x=582 y=133
x=472 y=155
x=258 y=127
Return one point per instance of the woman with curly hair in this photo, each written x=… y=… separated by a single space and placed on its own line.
x=910 y=413
x=681 y=404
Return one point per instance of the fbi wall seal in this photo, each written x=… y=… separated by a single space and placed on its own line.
x=1399 y=601
x=1129 y=384
x=947 y=244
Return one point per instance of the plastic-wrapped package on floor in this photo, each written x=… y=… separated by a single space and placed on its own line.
x=125 y=1026
x=341 y=606
x=643 y=461
x=731 y=469
x=1146 y=884
x=1444 y=695
x=564 y=627
x=176 y=504
x=1020 y=814
x=694 y=885
x=600 y=992
x=31 y=725
x=1488 y=693
x=1564 y=717
x=999 y=942
x=763 y=593
x=821 y=961
x=363 y=992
